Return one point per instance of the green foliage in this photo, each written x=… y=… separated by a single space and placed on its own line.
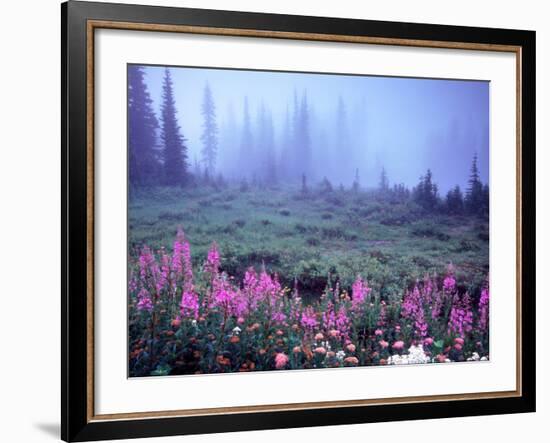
x=389 y=243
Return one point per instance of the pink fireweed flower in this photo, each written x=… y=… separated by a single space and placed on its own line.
x=148 y=268
x=351 y=361
x=133 y=281
x=182 y=267
x=359 y=293
x=177 y=254
x=334 y=333
x=428 y=341
x=189 y=305
x=278 y=317
x=398 y=345
x=281 y=360
x=319 y=336
x=413 y=308
x=461 y=318
x=383 y=344
x=459 y=340
x=144 y=301
x=320 y=350
x=329 y=316
x=483 y=308
x=449 y=283
x=268 y=286
x=263 y=288
x=164 y=271
x=309 y=319
x=458 y=346
x=343 y=321
x=350 y=347
x=437 y=304
x=212 y=264
x=230 y=299
x=378 y=332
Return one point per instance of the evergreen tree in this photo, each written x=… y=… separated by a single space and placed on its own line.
x=209 y=135
x=455 y=201
x=356 y=184
x=265 y=142
x=400 y=193
x=247 y=140
x=142 y=126
x=286 y=153
x=269 y=147
x=305 y=189
x=384 y=184
x=326 y=186
x=343 y=155
x=485 y=200
x=174 y=149
x=303 y=140
x=474 y=194
x=426 y=193
x=197 y=173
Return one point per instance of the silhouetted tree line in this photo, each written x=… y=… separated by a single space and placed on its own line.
x=426 y=194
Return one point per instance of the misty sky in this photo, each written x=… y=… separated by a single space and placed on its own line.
x=405 y=125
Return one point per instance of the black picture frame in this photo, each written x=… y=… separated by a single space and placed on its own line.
x=76 y=424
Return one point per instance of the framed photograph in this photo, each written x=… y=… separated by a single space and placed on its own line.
x=277 y=221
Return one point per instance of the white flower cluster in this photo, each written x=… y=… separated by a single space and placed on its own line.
x=475 y=357
x=415 y=356
x=340 y=355
x=236 y=330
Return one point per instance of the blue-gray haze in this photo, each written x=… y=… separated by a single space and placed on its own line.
x=364 y=123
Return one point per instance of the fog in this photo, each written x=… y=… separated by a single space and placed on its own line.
x=325 y=125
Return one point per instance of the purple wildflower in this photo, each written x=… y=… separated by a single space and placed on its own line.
x=309 y=319
x=144 y=301
x=484 y=310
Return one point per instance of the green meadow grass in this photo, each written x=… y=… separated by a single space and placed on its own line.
x=314 y=237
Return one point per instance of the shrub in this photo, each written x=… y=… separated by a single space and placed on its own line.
x=240 y=223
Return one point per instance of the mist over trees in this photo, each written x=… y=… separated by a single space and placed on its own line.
x=209 y=135
x=256 y=143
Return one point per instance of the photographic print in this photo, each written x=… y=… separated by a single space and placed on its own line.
x=288 y=220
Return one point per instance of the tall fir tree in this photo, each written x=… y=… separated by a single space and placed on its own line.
x=455 y=201
x=286 y=148
x=247 y=140
x=356 y=183
x=209 y=135
x=142 y=131
x=474 y=195
x=174 y=149
x=269 y=151
x=293 y=161
x=303 y=137
x=342 y=152
x=426 y=192
x=228 y=154
x=384 y=184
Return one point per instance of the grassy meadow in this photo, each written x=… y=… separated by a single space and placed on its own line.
x=307 y=238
